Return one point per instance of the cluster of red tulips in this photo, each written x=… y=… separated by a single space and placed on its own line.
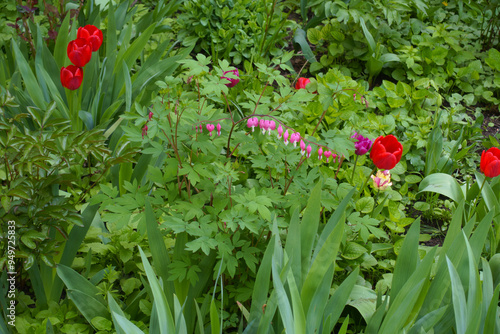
x=88 y=39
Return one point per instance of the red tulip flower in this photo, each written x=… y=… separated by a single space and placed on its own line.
x=79 y=52
x=71 y=77
x=302 y=83
x=490 y=162
x=386 y=152
x=92 y=35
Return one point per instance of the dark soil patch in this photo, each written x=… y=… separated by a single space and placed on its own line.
x=491 y=117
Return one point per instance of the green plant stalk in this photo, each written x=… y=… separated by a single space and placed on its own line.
x=354 y=168
x=375 y=202
x=472 y=208
x=268 y=23
x=368 y=178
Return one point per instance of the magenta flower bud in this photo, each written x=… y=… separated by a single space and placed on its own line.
x=150 y=115
x=201 y=129
x=320 y=153
x=354 y=97
x=302 y=147
x=362 y=144
x=218 y=129
x=210 y=128
x=309 y=149
x=280 y=131
x=366 y=103
x=285 y=136
x=144 y=131
x=327 y=155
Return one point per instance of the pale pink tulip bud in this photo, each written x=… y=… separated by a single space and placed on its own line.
x=320 y=153
x=218 y=129
x=309 y=149
x=302 y=147
x=280 y=131
x=285 y=137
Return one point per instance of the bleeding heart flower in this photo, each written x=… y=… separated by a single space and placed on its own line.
x=79 y=52
x=210 y=128
x=302 y=147
x=92 y=35
x=327 y=155
x=232 y=82
x=71 y=77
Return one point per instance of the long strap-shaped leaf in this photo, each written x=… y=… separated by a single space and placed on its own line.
x=165 y=318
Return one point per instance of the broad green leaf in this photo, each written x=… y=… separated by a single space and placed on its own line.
x=458 y=297
x=75 y=281
x=115 y=309
x=214 y=319
x=164 y=314
x=326 y=257
x=300 y=38
x=62 y=40
x=338 y=301
x=443 y=184
x=353 y=251
x=262 y=280
x=299 y=317
x=126 y=325
x=309 y=227
x=365 y=204
x=369 y=38
x=75 y=239
x=407 y=260
x=283 y=301
x=88 y=305
x=161 y=259
x=29 y=78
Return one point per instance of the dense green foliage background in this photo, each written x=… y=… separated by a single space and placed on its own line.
x=132 y=216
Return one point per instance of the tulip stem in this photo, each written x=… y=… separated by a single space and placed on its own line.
x=375 y=202
x=473 y=207
x=354 y=169
x=366 y=181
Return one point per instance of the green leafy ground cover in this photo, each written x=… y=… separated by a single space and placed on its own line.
x=144 y=201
